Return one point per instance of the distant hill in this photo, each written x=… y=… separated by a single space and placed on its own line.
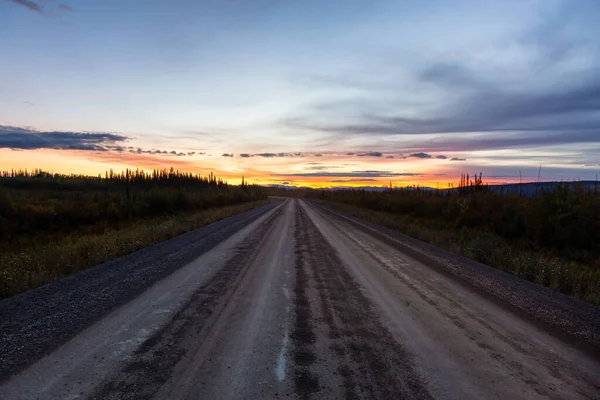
x=522 y=189
x=533 y=188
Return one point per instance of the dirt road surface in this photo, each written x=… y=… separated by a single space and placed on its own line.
x=297 y=301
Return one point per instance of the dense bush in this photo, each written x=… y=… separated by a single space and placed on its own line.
x=53 y=225
x=552 y=239
x=34 y=206
x=564 y=220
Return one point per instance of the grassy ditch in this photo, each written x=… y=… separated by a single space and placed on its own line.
x=575 y=278
x=31 y=266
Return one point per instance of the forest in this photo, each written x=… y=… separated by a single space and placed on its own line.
x=52 y=225
x=552 y=238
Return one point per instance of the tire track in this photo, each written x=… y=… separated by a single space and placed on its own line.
x=153 y=363
x=37 y=322
x=371 y=363
x=303 y=336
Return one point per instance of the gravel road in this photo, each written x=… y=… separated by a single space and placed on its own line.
x=294 y=300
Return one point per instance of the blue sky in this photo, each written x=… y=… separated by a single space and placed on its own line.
x=505 y=85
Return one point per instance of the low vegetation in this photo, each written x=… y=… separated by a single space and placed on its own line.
x=552 y=238
x=53 y=225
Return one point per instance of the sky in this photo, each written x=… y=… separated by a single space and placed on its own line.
x=304 y=93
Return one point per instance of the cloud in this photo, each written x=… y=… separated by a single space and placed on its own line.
x=272 y=155
x=506 y=140
x=510 y=109
x=441 y=157
x=154 y=151
x=29 y=139
x=458 y=159
x=18 y=138
x=172 y=152
x=490 y=99
x=227 y=155
x=37 y=7
x=449 y=75
x=353 y=180
x=142 y=160
x=321 y=167
x=390 y=157
x=352 y=174
x=318 y=155
x=31 y=5
x=350 y=154
x=371 y=154
x=421 y=155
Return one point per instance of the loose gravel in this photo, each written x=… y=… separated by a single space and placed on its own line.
x=34 y=323
x=573 y=320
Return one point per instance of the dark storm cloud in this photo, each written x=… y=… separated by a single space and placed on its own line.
x=353 y=174
x=371 y=154
x=421 y=155
x=227 y=155
x=31 y=5
x=29 y=139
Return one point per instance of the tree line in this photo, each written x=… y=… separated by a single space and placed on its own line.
x=37 y=203
x=551 y=238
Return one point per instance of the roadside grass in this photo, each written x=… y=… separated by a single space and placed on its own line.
x=36 y=265
x=569 y=277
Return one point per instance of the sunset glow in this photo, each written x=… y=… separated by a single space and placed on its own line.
x=302 y=93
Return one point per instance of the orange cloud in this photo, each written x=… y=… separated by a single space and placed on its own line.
x=324 y=170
